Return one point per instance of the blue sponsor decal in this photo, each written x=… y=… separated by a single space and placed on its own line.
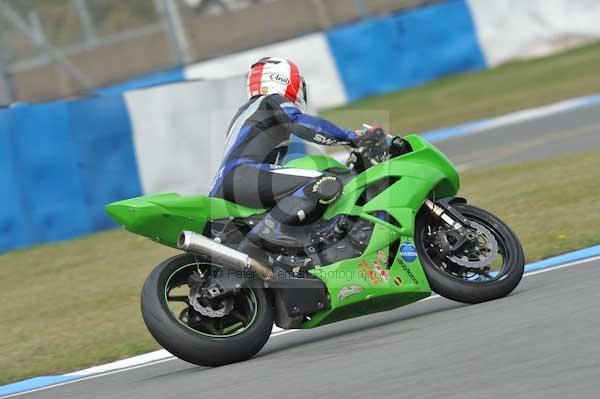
x=408 y=252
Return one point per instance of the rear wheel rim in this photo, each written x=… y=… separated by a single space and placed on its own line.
x=239 y=320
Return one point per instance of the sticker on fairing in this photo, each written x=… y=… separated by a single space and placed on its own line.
x=408 y=252
x=380 y=270
x=382 y=256
x=345 y=292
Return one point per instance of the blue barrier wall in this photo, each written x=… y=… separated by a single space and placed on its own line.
x=406 y=49
x=104 y=155
x=153 y=79
x=60 y=163
x=13 y=218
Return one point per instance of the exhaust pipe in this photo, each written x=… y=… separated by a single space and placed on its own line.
x=201 y=245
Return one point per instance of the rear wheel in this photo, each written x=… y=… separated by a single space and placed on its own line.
x=181 y=316
x=489 y=267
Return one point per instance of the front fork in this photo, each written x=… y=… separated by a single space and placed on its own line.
x=452 y=218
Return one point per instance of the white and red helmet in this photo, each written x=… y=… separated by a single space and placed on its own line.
x=272 y=75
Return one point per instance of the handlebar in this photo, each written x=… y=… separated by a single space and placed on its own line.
x=395 y=146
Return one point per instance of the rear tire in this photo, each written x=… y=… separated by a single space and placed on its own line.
x=190 y=345
x=465 y=291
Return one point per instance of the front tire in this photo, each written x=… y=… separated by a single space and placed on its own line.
x=448 y=280
x=196 y=345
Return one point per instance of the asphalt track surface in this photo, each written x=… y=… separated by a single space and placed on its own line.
x=563 y=133
x=540 y=342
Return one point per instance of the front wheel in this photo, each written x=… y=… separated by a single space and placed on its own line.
x=199 y=329
x=489 y=267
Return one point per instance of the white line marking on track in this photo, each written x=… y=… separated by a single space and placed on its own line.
x=276 y=334
x=575 y=263
x=90 y=377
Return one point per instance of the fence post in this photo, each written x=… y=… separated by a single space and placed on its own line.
x=361 y=8
x=322 y=14
x=171 y=21
x=7 y=89
x=21 y=26
x=87 y=23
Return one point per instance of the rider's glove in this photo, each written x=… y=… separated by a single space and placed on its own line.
x=372 y=137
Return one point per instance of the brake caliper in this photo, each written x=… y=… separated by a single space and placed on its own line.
x=477 y=254
x=204 y=299
x=462 y=242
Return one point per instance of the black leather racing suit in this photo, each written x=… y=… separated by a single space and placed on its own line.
x=257 y=142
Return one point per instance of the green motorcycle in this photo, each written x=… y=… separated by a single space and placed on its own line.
x=396 y=233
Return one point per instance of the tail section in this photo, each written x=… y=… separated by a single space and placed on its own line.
x=163 y=217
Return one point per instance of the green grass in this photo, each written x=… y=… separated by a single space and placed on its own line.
x=71 y=305
x=487 y=93
x=550 y=204
x=74 y=304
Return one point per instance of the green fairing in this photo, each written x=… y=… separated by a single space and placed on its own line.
x=163 y=217
x=405 y=283
x=425 y=170
x=422 y=173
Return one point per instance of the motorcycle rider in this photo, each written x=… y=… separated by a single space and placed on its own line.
x=257 y=141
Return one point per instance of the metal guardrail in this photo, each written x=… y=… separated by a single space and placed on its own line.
x=181 y=32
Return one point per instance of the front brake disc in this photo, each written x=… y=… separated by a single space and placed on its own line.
x=483 y=260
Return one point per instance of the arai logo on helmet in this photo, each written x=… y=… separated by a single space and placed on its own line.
x=278 y=78
x=408 y=252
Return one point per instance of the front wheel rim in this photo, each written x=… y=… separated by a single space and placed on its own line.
x=494 y=274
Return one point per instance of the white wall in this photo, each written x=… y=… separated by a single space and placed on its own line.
x=520 y=29
x=311 y=53
x=179 y=132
